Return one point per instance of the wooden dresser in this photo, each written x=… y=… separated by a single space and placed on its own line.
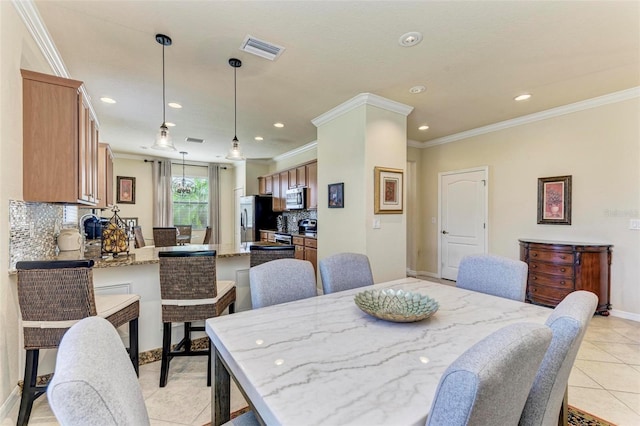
x=557 y=268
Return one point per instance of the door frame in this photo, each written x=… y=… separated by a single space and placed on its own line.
x=484 y=169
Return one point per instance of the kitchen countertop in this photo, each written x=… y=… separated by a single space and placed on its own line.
x=293 y=234
x=149 y=254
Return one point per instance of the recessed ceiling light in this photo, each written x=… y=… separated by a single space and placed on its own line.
x=174 y=105
x=522 y=97
x=170 y=124
x=410 y=39
x=107 y=100
x=259 y=138
x=424 y=127
x=278 y=125
x=417 y=89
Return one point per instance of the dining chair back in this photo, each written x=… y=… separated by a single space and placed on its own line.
x=184 y=232
x=138 y=238
x=53 y=296
x=207 y=236
x=568 y=323
x=93 y=381
x=165 y=237
x=281 y=281
x=344 y=271
x=190 y=291
x=489 y=383
x=496 y=275
x=266 y=253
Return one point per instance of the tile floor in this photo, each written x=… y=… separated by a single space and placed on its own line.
x=605 y=381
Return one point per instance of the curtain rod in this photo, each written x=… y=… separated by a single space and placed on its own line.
x=195 y=165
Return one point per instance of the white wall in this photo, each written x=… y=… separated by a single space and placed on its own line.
x=143 y=208
x=18 y=51
x=599 y=147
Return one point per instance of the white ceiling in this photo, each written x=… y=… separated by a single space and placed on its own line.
x=474 y=59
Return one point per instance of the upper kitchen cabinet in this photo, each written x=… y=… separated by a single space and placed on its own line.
x=105 y=176
x=60 y=142
x=312 y=185
x=298 y=177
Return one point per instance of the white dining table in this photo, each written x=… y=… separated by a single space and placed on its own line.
x=323 y=361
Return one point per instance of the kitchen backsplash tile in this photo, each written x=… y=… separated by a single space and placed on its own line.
x=32 y=229
x=291 y=219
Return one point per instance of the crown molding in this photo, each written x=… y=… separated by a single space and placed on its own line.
x=622 y=95
x=359 y=100
x=415 y=144
x=299 y=150
x=38 y=30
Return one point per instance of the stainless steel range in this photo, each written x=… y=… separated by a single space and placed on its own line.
x=283 y=238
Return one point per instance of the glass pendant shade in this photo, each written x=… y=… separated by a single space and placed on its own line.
x=235 y=153
x=183 y=186
x=163 y=140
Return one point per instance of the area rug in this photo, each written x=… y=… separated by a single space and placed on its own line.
x=577 y=417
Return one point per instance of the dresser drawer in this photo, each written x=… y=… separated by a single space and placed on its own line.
x=561 y=270
x=551 y=281
x=551 y=256
x=546 y=295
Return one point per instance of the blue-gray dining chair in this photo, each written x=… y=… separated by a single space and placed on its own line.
x=495 y=275
x=568 y=323
x=281 y=281
x=489 y=383
x=344 y=271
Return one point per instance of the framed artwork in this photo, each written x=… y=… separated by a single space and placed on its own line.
x=126 y=192
x=336 y=195
x=388 y=187
x=130 y=222
x=554 y=200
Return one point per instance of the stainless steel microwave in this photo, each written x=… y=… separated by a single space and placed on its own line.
x=296 y=198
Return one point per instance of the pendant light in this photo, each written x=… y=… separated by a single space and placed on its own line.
x=185 y=186
x=235 y=153
x=163 y=139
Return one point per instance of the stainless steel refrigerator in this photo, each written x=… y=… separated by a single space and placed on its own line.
x=256 y=213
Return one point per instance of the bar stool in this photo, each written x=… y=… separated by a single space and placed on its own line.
x=139 y=239
x=266 y=253
x=54 y=295
x=165 y=237
x=190 y=292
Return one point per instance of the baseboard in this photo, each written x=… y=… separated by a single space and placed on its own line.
x=7 y=406
x=412 y=273
x=626 y=315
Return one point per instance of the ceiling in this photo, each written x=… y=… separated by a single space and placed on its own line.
x=475 y=57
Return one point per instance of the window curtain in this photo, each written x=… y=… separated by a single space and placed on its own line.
x=214 y=202
x=162 y=196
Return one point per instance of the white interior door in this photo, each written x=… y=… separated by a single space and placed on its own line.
x=463 y=217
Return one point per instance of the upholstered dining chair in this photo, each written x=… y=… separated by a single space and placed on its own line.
x=93 y=382
x=281 y=281
x=165 y=237
x=54 y=295
x=207 y=236
x=266 y=253
x=190 y=291
x=495 y=275
x=489 y=383
x=568 y=323
x=344 y=271
x=138 y=237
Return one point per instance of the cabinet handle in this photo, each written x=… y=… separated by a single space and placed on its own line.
x=534 y=266
x=534 y=254
x=562 y=269
x=563 y=257
x=535 y=289
x=534 y=278
x=562 y=282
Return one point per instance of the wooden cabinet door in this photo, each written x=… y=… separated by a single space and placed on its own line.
x=311 y=255
x=105 y=176
x=301 y=176
x=275 y=179
x=293 y=180
x=262 y=186
x=268 y=185
x=312 y=185
x=284 y=186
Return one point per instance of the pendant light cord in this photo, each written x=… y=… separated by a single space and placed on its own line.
x=235 y=105
x=164 y=120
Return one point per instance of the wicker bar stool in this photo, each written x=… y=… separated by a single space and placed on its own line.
x=165 y=237
x=139 y=239
x=54 y=295
x=190 y=292
x=266 y=253
x=184 y=234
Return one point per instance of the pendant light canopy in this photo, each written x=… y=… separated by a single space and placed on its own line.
x=185 y=186
x=163 y=139
x=235 y=153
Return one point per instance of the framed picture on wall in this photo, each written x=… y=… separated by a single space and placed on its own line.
x=388 y=187
x=554 y=200
x=336 y=195
x=126 y=191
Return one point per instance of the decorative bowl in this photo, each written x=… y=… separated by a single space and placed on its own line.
x=396 y=305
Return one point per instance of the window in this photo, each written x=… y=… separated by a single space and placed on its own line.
x=191 y=208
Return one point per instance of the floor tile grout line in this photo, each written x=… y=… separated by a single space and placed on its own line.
x=622 y=402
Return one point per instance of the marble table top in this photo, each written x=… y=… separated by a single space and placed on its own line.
x=322 y=361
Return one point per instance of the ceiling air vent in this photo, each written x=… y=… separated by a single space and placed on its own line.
x=194 y=140
x=261 y=48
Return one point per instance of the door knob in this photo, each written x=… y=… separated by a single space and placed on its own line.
x=444 y=232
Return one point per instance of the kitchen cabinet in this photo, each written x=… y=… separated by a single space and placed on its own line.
x=268 y=236
x=298 y=177
x=277 y=207
x=268 y=185
x=558 y=268
x=284 y=186
x=60 y=145
x=262 y=185
x=298 y=243
x=105 y=176
x=306 y=248
x=312 y=185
